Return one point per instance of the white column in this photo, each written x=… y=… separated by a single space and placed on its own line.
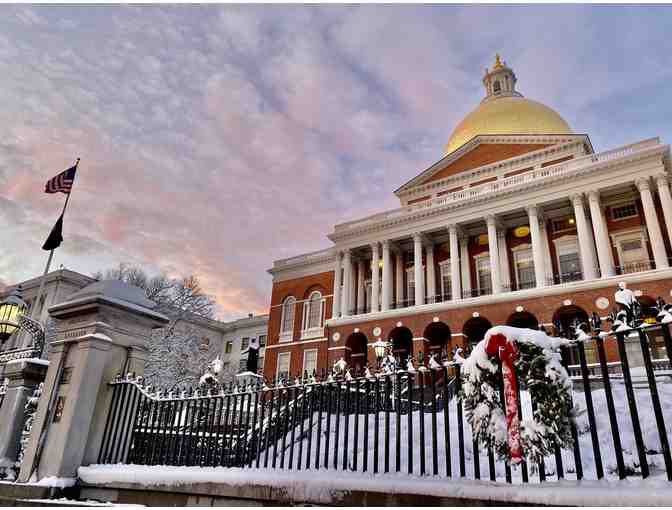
x=361 y=289
x=504 y=259
x=604 y=252
x=399 y=263
x=387 y=276
x=588 y=261
x=665 y=202
x=375 y=277
x=419 y=273
x=537 y=247
x=455 y=284
x=431 y=274
x=546 y=250
x=494 y=254
x=336 y=307
x=346 y=305
x=652 y=225
x=465 y=264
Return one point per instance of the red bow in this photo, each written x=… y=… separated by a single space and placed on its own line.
x=503 y=348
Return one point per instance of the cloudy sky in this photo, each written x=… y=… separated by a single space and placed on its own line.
x=215 y=139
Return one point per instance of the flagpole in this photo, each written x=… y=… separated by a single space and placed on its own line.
x=51 y=256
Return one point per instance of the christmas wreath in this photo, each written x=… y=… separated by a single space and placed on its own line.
x=505 y=358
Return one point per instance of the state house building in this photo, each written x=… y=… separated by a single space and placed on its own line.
x=519 y=223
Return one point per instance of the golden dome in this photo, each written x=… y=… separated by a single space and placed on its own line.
x=505 y=112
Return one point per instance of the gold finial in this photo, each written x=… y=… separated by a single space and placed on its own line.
x=498 y=62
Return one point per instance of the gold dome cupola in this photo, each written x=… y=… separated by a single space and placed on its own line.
x=504 y=111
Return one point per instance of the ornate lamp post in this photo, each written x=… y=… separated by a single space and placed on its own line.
x=13 y=317
x=379 y=348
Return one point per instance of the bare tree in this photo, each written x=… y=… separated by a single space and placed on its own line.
x=178 y=353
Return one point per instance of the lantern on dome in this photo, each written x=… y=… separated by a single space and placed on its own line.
x=11 y=310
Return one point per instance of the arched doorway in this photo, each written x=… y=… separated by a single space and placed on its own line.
x=564 y=320
x=475 y=328
x=401 y=339
x=438 y=334
x=522 y=320
x=356 y=352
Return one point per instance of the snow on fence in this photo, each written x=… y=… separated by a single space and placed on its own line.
x=408 y=422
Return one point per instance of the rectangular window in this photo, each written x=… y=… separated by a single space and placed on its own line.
x=244 y=343
x=483 y=278
x=229 y=347
x=633 y=256
x=283 y=365
x=570 y=266
x=524 y=269
x=621 y=212
x=262 y=340
x=563 y=224
x=446 y=290
x=309 y=361
x=242 y=365
x=260 y=365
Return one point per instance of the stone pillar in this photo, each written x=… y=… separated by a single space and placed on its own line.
x=546 y=250
x=417 y=269
x=494 y=254
x=375 y=277
x=652 y=225
x=431 y=273
x=465 y=264
x=504 y=259
x=665 y=202
x=537 y=249
x=604 y=252
x=361 y=289
x=336 y=307
x=399 y=262
x=101 y=330
x=455 y=283
x=23 y=376
x=387 y=277
x=346 y=304
x=586 y=250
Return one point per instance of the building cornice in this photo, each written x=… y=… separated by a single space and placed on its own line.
x=487 y=192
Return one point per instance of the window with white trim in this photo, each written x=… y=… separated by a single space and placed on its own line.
x=282 y=370
x=524 y=268
x=483 y=278
x=568 y=259
x=309 y=361
x=287 y=320
x=244 y=343
x=313 y=316
x=446 y=288
x=632 y=253
x=623 y=211
x=262 y=340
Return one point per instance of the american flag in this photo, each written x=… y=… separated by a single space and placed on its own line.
x=62 y=182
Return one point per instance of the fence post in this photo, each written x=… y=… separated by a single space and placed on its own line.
x=101 y=329
x=23 y=376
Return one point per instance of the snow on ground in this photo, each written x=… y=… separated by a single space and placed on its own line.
x=323 y=486
x=53 y=481
x=606 y=445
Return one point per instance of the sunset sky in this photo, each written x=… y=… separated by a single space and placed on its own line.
x=215 y=139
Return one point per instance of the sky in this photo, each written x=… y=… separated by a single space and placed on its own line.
x=216 y=139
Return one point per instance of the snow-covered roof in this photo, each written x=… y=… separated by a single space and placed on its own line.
x=115 y=289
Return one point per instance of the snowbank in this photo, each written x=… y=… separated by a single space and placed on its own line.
x=323 y=486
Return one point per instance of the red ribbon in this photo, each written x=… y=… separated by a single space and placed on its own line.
x=500 y=346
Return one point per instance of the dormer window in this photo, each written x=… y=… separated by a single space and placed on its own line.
x=497 y=88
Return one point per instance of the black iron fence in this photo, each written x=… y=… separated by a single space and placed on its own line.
x=398 y=422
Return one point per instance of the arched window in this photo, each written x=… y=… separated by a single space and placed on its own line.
x=497 y=88
x=287 y=320
x=313 y=314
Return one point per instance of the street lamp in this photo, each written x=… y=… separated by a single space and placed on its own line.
x=379 y=348
x=11 y=310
